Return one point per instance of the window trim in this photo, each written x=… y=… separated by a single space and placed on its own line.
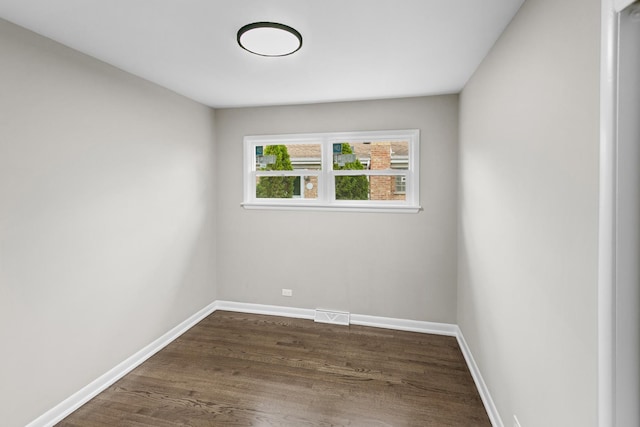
x=326 y=174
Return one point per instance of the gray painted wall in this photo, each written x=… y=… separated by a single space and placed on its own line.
x=106 y=219
x=395 y=265
x=528 y=246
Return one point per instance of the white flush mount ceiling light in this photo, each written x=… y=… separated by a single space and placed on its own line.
x=269 y=39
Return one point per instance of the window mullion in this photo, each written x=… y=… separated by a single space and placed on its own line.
x=327 y=180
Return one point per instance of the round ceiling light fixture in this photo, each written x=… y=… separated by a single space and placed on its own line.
x=269 y=39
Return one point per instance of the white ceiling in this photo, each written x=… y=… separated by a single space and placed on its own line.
x=352 y=49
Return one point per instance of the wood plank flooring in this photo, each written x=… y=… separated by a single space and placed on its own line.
x=235 y=369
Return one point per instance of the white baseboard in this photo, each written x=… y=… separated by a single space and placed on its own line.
x=270 y=310
x=483 y=390
x=355 y=319
x=82 y=396
x=66 y=407
x=404 y=325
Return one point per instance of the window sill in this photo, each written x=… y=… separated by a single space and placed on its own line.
x=332 y=208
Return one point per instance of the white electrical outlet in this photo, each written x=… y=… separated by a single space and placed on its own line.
x=516 y=423
x=287 y=292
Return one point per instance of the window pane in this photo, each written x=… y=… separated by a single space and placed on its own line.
x=352 y=187
x=305 y=156
x=376 y=155
x=287 y=187
x=385 y=187
x=288 y=157
x=360 y=187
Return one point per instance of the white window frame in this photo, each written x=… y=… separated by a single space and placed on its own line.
x=326 y=175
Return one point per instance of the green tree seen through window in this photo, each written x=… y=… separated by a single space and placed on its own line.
x=351 y=187
x=276 y=187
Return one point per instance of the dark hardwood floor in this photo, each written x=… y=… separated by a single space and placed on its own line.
x=235 y=369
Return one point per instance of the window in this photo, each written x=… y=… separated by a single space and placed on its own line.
x=401 y=184
x=362 y=171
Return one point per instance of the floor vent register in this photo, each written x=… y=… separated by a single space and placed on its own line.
x=333 y=317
